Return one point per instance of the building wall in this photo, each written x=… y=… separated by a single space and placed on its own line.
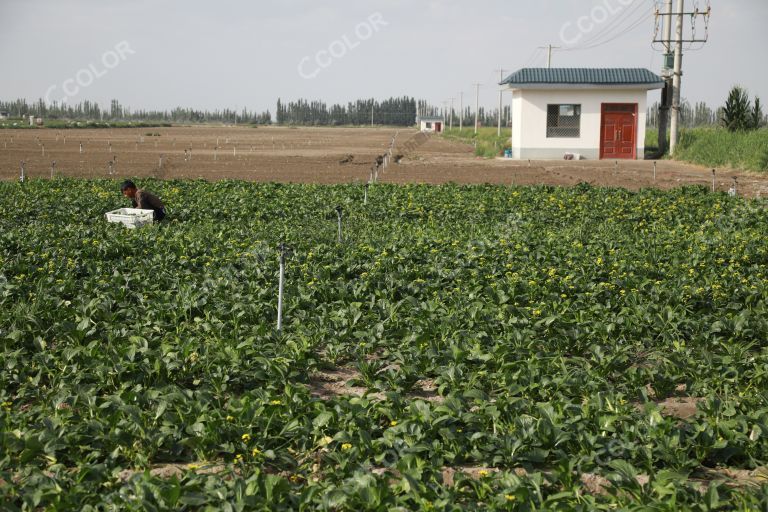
x=517 y=121
x=423 y=125
x=529 y=115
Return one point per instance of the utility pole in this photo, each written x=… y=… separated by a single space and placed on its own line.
x=461 y=112
x=477 y=105
x=549 y=49
x=666 y=94
x=371 y=115
x=677 y=77
x=501 y=99
x=677 y=72
x=451 y=122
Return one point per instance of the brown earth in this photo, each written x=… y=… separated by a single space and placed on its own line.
x=318 y=155
x=327 y=384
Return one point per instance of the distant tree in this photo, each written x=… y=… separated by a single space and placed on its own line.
x=737 y=113
x=758 y=117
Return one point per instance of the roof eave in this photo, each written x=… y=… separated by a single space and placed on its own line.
x=551 y=87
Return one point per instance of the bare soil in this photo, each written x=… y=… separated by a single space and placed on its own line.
x=329 y=384
x=320 y=155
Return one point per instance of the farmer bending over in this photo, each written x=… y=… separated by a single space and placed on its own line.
x=143 y=199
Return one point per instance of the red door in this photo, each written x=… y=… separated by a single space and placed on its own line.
x=439 y=127
x=618 y=139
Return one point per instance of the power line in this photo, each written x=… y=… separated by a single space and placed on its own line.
x=614 y=27
x=617 y=29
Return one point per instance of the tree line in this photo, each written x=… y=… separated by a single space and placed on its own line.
x=691 y=116
x=392 y=111
x=738 y=113
x=91 y=111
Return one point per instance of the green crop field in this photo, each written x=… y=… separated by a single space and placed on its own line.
x=717 y=147
x=487 y=142
x=505 y=348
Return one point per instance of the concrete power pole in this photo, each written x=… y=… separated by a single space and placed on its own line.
x=549 y=49
x=477 y=105
x=677 y=79
x=461 y=112
x=451 y=122
x=501 y=99
x=666 y=95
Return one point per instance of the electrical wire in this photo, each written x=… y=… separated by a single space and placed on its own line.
x=533 y=57
x=617 y=27
x=623 y=32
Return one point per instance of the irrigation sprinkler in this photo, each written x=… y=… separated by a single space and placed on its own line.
x=713 y=180
x=21 y=176
x=53 y=168
x=339 y=215
x=81 y=148
x=111 y=164
x=654 y=172
x=365 y=194
x=734 y=191
x=234 y=151
x=284 y=253
x=160 y=167
x=529 y=162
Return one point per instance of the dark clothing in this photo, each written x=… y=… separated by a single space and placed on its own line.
x=148 y=201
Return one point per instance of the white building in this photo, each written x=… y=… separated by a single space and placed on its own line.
x=431 y=124
x=4 y=114
x=594 y=113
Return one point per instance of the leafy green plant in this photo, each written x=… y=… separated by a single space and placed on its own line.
x=507 y=359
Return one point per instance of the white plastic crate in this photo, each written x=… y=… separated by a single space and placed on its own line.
x=131 y=217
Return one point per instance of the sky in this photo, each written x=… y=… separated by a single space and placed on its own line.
x=158 y=54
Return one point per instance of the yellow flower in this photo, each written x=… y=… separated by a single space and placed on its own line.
x=393 y=423
x=599 y=261
x=7 y=405
x=346 y=446
x=325 y=441
x=192 y=467
x=230 y=418
x=255 y=452
x=246 y=437
x=510 y=497
x=238 y=458
x=483 y=472
x=276 y=402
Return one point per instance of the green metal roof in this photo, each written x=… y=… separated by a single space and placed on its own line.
x=583 y=76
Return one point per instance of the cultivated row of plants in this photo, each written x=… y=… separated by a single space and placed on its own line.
x=549 y=324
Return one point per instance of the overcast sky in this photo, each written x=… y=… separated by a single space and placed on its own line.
x=236 y=53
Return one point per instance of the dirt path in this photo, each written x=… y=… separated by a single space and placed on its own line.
x=318 y=155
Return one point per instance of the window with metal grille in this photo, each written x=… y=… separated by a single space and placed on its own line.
x=564 y=121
